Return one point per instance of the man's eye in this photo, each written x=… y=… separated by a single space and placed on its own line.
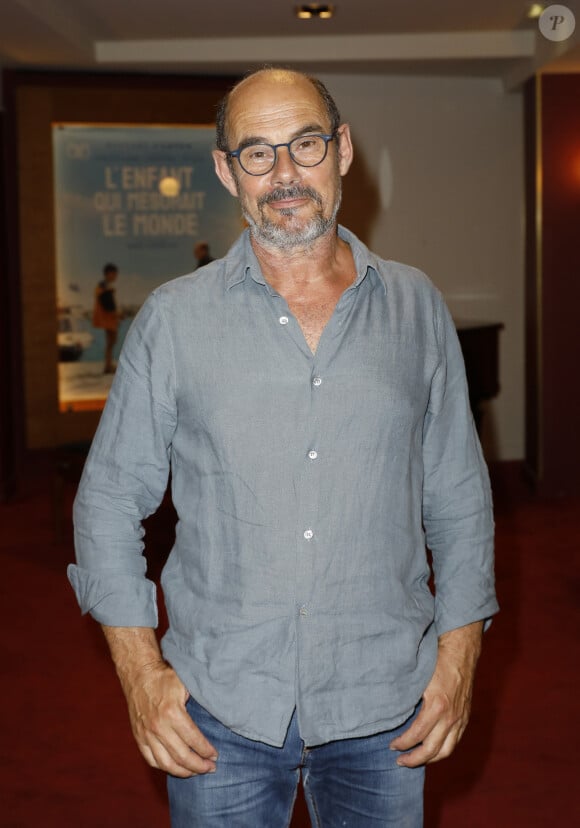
x=306 y=144
x=257 y=154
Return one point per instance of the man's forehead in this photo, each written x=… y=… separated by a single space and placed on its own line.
x=275 y=98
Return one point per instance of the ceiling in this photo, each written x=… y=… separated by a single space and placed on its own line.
x=463 y=37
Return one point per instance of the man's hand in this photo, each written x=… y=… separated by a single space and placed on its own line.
x=446 y=701
x=156 y=698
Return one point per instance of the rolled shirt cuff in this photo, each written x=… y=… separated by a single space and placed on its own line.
x=115 y=599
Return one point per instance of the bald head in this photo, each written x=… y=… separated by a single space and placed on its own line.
x=285 y=78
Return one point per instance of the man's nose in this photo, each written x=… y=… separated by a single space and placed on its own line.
x=285 y=169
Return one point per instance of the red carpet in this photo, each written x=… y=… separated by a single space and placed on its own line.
x=68 y=758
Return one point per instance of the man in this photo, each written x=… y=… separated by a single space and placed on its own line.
x=105 y=313
x=310 y=401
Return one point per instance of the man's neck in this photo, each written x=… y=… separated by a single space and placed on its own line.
x=320 y=264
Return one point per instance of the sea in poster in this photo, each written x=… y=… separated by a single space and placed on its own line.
x=140 y=197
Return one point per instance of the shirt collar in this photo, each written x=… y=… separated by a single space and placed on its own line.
x=241 y=259
x=363 y=257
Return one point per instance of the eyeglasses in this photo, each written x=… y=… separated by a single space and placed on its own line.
x=306 y=151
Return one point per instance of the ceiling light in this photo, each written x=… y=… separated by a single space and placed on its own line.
x=308 y=11
x=535 y=11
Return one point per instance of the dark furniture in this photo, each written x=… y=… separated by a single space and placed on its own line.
x=480 y=345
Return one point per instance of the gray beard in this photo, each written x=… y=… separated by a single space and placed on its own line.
x=269 y=234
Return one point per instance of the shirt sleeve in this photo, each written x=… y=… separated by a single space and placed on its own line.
x=457 y=503
x=125 y=478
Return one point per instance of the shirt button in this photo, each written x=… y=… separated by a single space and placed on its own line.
x=283 y=320
x=309 y=534
x=313 y=454
x=303 y=612
x=317 y=381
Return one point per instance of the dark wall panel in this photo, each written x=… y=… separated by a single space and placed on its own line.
x=554 y=289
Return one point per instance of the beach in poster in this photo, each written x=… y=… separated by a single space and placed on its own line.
x=140 y=197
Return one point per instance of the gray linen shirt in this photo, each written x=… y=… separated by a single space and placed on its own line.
x=306 y=487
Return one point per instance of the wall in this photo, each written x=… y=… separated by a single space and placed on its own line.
x=456 y=211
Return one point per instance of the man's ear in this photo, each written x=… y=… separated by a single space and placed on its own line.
x=345 y=149
x=224 y=172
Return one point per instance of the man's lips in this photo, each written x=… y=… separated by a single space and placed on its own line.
x=288 y=202
x=287 y=199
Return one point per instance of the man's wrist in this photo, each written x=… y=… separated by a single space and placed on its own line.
x=134 y=650
x=462 y=640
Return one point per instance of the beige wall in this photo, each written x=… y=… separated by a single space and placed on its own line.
x=456 y=153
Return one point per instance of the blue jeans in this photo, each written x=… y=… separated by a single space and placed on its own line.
x=350 y=782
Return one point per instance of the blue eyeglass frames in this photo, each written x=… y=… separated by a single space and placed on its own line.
x=306 y=151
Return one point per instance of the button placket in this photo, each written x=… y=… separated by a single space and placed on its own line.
x=309 y=510
x=312 y=470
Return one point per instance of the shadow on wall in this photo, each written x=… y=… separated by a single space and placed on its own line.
x=360 y=199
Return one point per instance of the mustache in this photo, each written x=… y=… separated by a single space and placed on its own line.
x=296 y=191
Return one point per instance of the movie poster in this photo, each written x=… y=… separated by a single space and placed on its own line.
x=144 y=199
